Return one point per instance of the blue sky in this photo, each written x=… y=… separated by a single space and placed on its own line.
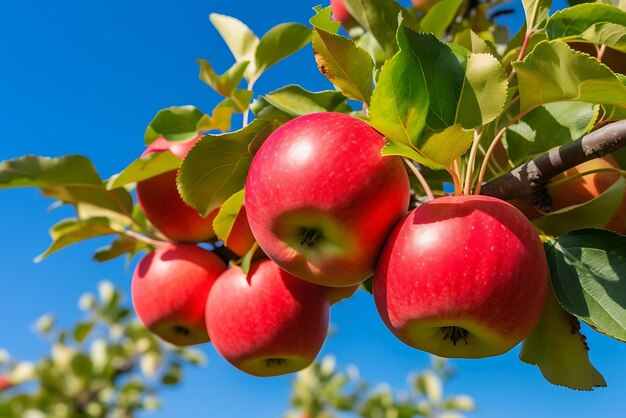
x=86 y=77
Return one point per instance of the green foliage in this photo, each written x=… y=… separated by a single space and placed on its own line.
x=322 y=391
x=107 y=365
x=348 y=66
x=595 y=213
x=178 y=124
x=444 y=87
x=587 y=269
x=554 y=72
x=593 y=22
x=560 y=351
x=225 y=219
x=216 y=167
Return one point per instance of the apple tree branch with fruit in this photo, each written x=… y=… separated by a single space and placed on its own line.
x=507 y=152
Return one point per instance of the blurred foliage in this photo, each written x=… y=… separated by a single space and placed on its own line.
x=323 y=391
x=106 y=365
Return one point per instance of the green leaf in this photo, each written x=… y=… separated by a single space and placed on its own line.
x=82 y=330
x=216 y=167
x=554 y=72
x=444 y=147
x=241 y=41
x=280 y=42
x=223 y=84
x=323 y=20
x=536 y=12
x=474 y=43
x=587 y=271
x=296 y=101
x=560 y=351
x=71 y=231
x=399 y=105
x=348 y=66
x=120 y=246
x=420 y=85
x=380 y=18
x=597 y=23
x=440 y=16
x=548 y=126
x=144 y=168
x=70 y=179
x=396 y=148
x=225 y=219
x=430 y=385
x=484 y=91
x=173 y=374
x=177 y=123
x=595 y=213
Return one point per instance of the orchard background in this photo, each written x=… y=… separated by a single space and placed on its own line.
x=86 y=79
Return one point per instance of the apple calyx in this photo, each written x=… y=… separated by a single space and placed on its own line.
x=309 y=236
x=455 y=334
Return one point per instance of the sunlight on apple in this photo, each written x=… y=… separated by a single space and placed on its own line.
x=300 y=152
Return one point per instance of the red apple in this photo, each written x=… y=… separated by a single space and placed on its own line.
x=158 y=197
x=170 y=287
x=5 y=383
x=268 y=323
x=340 y=13
x=424 y=5
x=462 y=277
x=321 y=200
x=240 y=240
x=581 y=190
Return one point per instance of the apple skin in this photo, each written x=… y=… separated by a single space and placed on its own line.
x=471 y=262
x=169 y=290
x=321 y=200
x=268 y=323
x=341 y=14
x=581 y=190
x=5 y=383
x=240 y=240
x=424 y=5
x=159 y=199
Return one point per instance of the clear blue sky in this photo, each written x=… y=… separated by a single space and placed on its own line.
x=86 y=77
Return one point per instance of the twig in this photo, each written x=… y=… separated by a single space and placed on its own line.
x=529 y=180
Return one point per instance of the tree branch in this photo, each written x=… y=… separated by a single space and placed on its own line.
x=529 y=181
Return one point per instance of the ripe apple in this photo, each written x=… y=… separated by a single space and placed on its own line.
x=169 y=289
x=582 y=189
x=321 y=200
x=5 y=383
x=240 y=240
x=424 y=5
x=462 y=277
x=158 y=197
x=340 y=14
x=268 y=323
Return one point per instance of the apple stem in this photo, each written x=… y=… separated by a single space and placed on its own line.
x=494 y=143
x=601 y=52
x=529 y=34
x=246 y=114
x=420 y=178
x=457 y=170
x=471 y=161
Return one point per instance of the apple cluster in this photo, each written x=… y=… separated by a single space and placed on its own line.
x=459 y=276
